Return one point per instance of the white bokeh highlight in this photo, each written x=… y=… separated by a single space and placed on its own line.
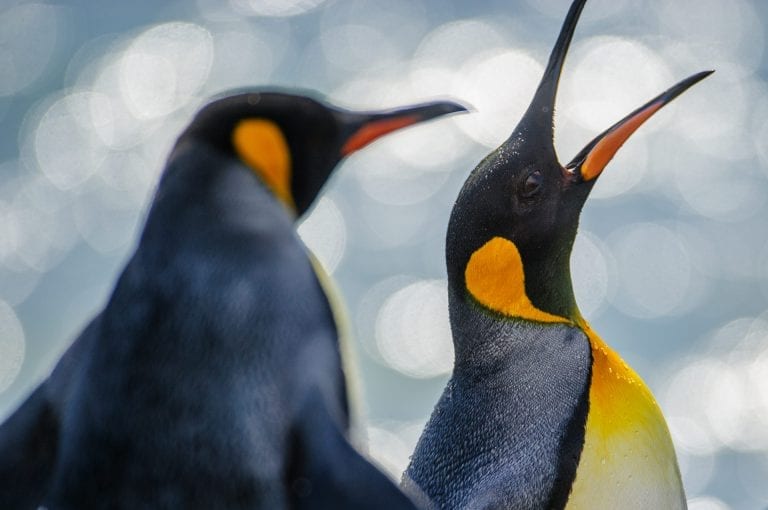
x=413 y=334
x=610 y=77
x=29 y=33
x=500 y=86
x=67 y=147
x=707 y=503
x=591 y=272
x=164 y=67
x=277 y=8
x=720 y=400
x=654 y=270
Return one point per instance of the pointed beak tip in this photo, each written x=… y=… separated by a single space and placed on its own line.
x=700 y=76
x=449 y=107
x=374 y=125
x=596 y=155
x=706 y=74
x=684 y=85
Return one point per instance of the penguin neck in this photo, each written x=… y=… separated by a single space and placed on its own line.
x=498 y=284
x=203 y=189
x=204 y=172
x=512 y=283
x=548 y=282
x=486 y=342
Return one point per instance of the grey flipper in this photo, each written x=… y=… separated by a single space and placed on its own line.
x=327 y=472
x=28 y=442
x=29 y=438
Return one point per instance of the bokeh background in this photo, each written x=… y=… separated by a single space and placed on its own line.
x=671 y=264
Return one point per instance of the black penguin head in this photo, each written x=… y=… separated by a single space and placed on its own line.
x=293 y=142
x=517 y=214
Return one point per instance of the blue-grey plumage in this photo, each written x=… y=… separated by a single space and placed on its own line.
x=203 y=420
x=213 y=377
x=511 y=416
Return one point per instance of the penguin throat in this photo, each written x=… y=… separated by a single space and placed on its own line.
x=260 y=144
x=495 y=278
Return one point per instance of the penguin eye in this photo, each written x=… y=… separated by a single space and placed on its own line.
x=532 y=184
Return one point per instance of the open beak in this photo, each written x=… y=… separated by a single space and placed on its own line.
x=536 y=128
x=363 y=128
x=593 y=158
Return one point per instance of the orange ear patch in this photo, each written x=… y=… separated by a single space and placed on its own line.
x=495 y=277
x=261 y=145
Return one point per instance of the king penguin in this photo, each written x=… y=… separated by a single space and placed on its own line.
x=213 y=377
x=539 y=412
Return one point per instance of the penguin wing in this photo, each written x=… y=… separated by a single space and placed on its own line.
x=29 y=438
x=28 y=441
x=327 y=472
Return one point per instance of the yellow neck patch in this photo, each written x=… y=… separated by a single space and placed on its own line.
x=628 y=460
x=262 y=146
x=495 y=277
x=619 y=399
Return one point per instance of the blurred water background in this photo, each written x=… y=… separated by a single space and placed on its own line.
x=671 y=265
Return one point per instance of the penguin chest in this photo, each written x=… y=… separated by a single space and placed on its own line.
x=628 y=460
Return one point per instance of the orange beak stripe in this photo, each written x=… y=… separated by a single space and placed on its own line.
x=604 y=150
x=376 y=129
